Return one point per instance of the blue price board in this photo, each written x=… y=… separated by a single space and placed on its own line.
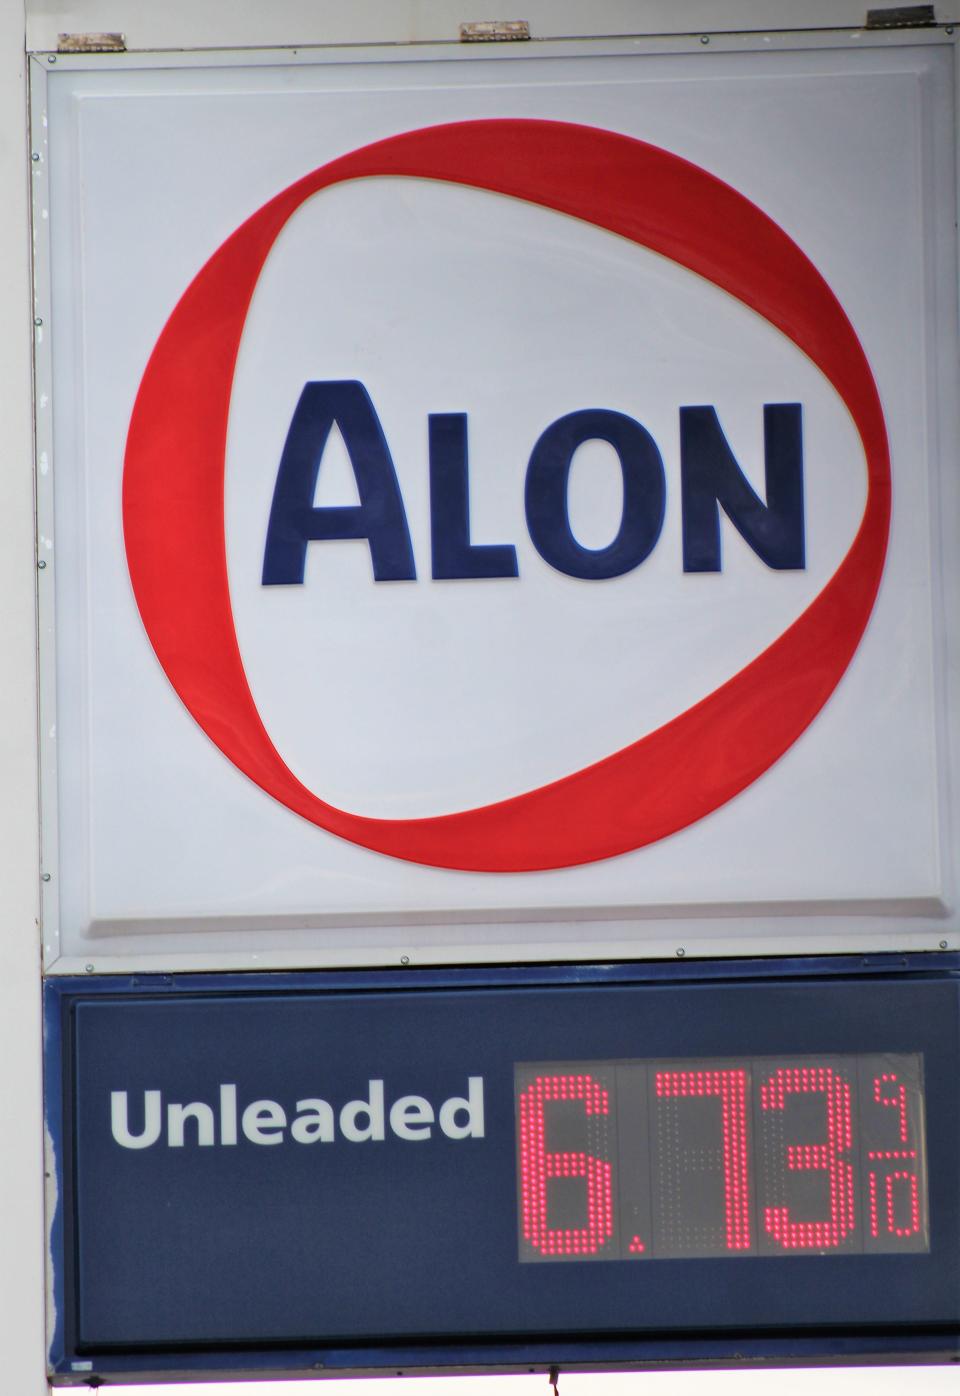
x=585 y=1165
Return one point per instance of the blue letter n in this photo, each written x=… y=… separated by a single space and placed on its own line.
x=712 y=480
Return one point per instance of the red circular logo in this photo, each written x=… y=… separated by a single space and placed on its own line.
x=173 y=499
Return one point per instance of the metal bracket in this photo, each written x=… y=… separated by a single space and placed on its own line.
x=91 y=43
x=489 y=31
x=901 y=17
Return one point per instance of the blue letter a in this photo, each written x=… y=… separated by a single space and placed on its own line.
x=379 y=517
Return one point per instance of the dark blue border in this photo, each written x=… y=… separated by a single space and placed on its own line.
x=696 y=1349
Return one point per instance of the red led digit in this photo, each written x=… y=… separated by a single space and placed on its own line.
x=912 y=1207
x=897 y=1099
x=901 y=1217
x=822 y=1080
x=731 y=1087
x=538 y=1165
x=911 y=1212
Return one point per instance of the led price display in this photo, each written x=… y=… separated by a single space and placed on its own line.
x=765 y=1156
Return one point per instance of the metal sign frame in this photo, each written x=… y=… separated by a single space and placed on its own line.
x=903 y=1343
x=759 y=926
x=161 y=972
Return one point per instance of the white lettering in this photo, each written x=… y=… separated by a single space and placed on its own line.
x=411 y=1117
x=372 y=1108
x=177 y=1116
x=473 y=1106
x=152 y=1120
x=228 y=1114
x=263 y=1122
x=314 y=1121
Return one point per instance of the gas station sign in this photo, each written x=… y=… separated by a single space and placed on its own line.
x=504 y=522
x=516 y=1165
x=498 y=590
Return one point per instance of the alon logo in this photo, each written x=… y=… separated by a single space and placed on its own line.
x=173 y=498
x=709 y=473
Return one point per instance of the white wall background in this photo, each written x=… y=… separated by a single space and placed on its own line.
x=21 y=1167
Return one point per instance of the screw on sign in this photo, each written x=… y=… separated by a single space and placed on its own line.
x=173 y=497
x=759 y=1157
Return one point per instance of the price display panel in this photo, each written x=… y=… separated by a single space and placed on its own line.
x=505 y=1167
x=643 y=1160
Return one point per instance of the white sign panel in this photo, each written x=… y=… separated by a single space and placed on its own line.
x=493 y=506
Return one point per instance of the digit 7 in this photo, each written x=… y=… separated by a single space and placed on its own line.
x=730 y=1087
